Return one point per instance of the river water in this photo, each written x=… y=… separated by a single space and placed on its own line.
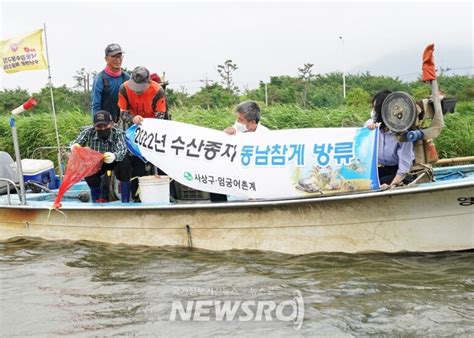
x=84 y=288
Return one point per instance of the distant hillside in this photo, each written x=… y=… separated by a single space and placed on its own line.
x=407 y=64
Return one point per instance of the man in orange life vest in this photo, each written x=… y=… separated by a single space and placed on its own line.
x=141 y=98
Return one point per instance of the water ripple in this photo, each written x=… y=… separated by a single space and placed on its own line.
x=86 y=288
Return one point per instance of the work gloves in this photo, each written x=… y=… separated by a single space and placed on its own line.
x=109 y=157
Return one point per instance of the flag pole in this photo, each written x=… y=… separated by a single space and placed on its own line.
x=50 y=85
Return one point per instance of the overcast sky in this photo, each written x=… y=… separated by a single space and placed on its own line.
x=189 y=40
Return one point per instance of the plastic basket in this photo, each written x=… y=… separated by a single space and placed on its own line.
x=448 y=104
x=154 y=189
x=186 y=193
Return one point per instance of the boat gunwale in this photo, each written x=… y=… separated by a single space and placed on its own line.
x=429 y=187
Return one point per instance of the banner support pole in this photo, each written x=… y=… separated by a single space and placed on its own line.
x=50 y=85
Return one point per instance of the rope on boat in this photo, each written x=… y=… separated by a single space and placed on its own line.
x=416 y=180
x=421 y=170
x=49 y=214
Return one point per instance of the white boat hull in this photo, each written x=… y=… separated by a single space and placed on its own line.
x=411 y=219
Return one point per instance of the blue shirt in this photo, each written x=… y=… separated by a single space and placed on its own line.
x=392 y=152
x=107 y=101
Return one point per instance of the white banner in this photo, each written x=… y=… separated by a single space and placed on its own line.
x=275 y=164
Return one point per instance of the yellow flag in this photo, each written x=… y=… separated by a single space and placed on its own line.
x=23 y=53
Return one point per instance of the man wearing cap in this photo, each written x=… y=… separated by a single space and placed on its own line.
x=107 y=83
x=105 y=90
x=110 y=141
x=141 y=98
x=155 y=77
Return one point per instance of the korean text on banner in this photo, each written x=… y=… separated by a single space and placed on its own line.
x=275 y=164
x=23 y=53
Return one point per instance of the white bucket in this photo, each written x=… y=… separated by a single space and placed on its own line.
x=154 y=189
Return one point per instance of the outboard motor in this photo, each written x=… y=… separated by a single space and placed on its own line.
x=399 y=112
x=405 y=117
x=7 y=171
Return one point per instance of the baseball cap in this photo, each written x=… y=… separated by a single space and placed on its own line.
x=113 y=49
x=155 y=77
x=139 y=80
x=102 y=117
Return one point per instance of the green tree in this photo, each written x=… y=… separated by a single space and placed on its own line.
x=65 y=99
x=325 y=96
x=373 y=84
x=357 y=97
x=306 y=76
x=84 y=81
x=177 y=98
x=214 y=96
x=283 y=89
x=420 y=92
x=459 y=86
x=225 y=71
x=12 y=98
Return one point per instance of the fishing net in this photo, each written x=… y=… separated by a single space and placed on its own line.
x=83 y=162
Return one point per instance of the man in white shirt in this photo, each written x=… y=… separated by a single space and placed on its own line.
x=247 y=119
